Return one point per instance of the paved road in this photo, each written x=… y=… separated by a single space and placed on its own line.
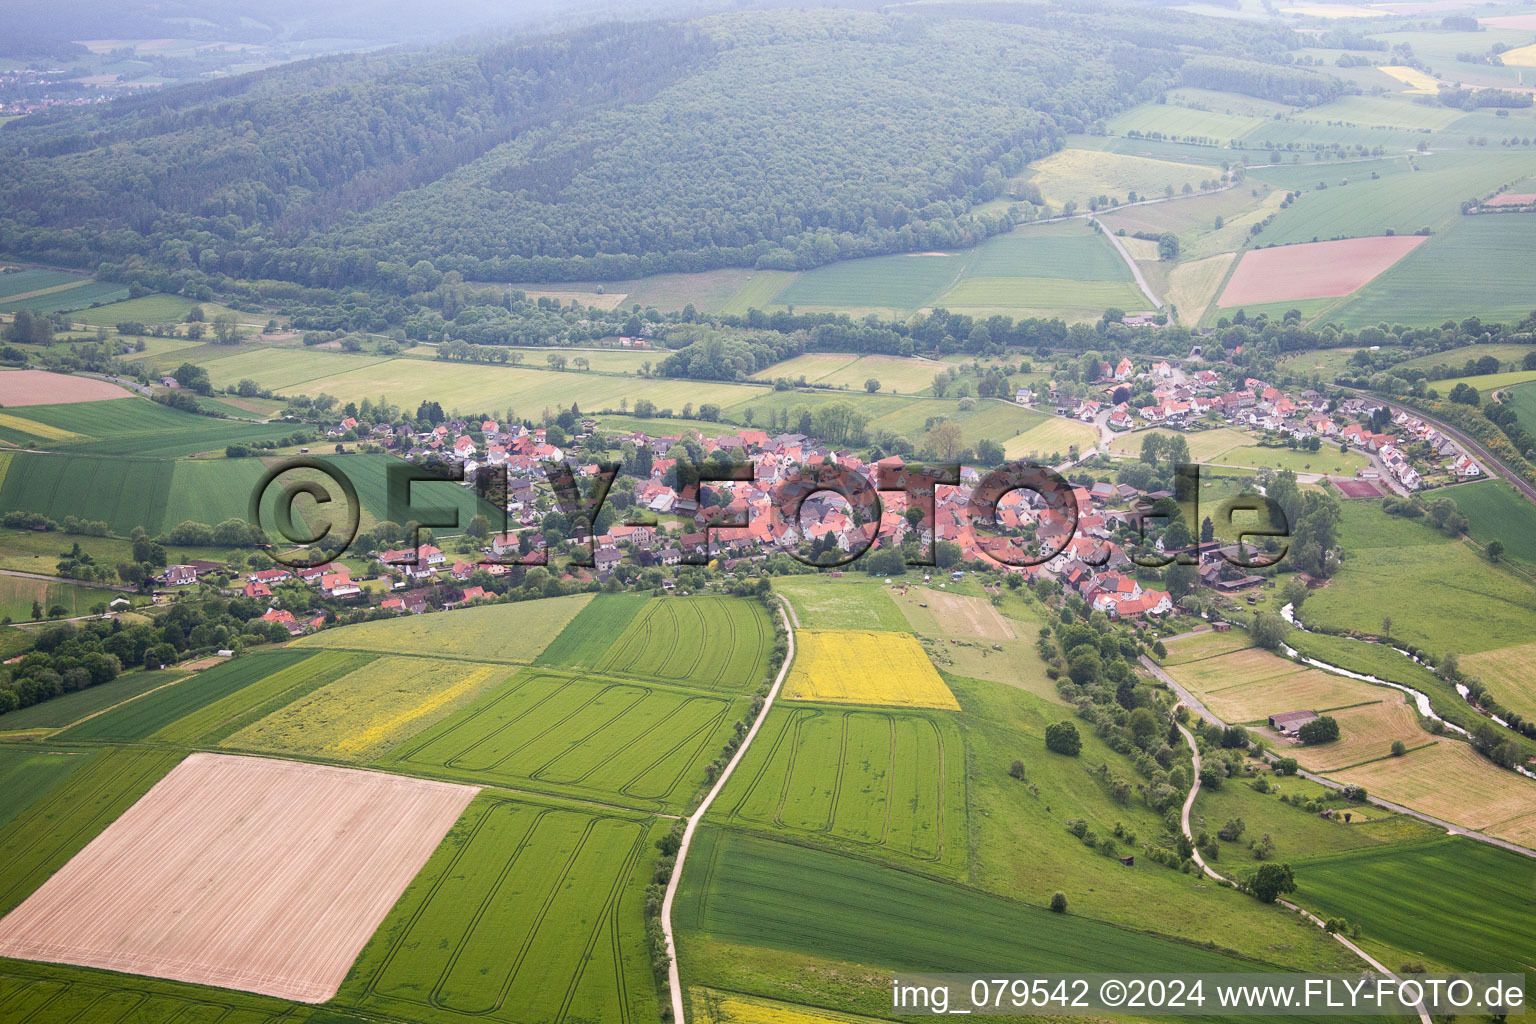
x=1141 y=282
x=698 y=815
x=1189 y=802
x=1193 y=703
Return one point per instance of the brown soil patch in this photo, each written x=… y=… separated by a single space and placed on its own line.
x=1512 y=199
x=242 y=872
x=968 y=616
x=1313 y=270
x=39 y=387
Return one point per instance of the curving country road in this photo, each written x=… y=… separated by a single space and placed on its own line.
x=693 y=819
x=1193 y=703
x=1189 y=802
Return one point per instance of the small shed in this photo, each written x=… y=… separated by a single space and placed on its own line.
x=1288 y=722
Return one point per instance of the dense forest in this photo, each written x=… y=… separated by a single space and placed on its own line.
x=763 y=139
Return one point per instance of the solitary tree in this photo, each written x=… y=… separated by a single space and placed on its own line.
x=1062 y=737
x=1271 y=881
x=1495 y=550
x=1016 y=769
x=872 y=385
x=1059 y=903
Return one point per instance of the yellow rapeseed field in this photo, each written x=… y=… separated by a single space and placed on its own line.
x=845 y=666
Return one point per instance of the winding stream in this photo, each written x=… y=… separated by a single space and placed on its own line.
x=1420 y=698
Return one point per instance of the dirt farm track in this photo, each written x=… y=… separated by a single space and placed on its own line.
x=241 y=872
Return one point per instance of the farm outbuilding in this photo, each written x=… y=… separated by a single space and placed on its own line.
x=1287 y=722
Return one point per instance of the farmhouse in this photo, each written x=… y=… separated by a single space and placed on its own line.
x=1287 y=722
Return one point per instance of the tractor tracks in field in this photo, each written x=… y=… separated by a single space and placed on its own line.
x=673 y=979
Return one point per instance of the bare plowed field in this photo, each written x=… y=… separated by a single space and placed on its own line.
x=39 y=387
x=1313 y=270
x=240 y=872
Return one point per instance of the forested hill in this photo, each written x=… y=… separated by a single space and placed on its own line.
x=777 y=139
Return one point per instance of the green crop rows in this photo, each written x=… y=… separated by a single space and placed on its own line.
x=714 y=642
x=545 y=730
x=880 y=780
x=524 y=914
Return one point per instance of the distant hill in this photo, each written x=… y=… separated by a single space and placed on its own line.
x=780 y=139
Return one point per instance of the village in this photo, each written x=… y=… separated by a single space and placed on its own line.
x=1095 y=540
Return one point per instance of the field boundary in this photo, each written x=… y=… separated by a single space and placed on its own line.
x=673 y=978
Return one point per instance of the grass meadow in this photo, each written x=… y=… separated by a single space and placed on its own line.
x=1439 y=593
x=135 y=427
x=515 y=633
x=847 y=603
x=525 y=913
x=18 y=596
x=286 y=680
x=627 y=743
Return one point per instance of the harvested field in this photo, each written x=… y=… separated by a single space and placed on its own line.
x=1360 y=488
x=1207 y=645
x=1305 y=689
x=1418 y=83
x=237 y=872
x=1450 y=781
x=1512 y=198
x=852 y=667
x=1365 y=732
x=957 y=615
x=39 y=387
x=1507 y=673
x=1313 y=270
x=1521 y=22
x=1244 y=666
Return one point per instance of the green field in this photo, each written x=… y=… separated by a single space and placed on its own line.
x=1439 y=593
x=883 y=782
x=1487 y=382
x=513 y=633
x=827 y=603
x=1085 y=174
x=524 y=914
x=1473 y=268
x=27 y=281
x=750 y=895
x=147 y=715
x=78 y=297
x=1401 y=200
x=133 y=426
x=72 y=707
x=618 y=742
x=1184 y=122
x=1523 y=398
x=717 y=643
x=124 y=493
x=1495 y=511
x=587 y=637
x=286 y=680
x=901 y=283
x=156 y=309
x=1456 y=358
x=1473 y=893
x=39 y=840
x=17 y=595
x=360 y=710
x=60 y=994
x=26 y=774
